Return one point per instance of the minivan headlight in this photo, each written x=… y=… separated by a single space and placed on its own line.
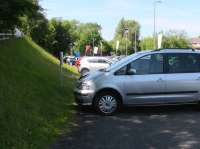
x=84 y=85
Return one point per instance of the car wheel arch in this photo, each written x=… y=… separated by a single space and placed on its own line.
x=84 y=69
x=109 y=90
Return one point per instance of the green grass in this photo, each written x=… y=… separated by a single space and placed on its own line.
x=34 y=108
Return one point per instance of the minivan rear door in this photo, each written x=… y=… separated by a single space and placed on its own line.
x=182 y=77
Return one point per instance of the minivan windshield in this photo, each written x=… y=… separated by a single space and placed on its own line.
x=120 y=62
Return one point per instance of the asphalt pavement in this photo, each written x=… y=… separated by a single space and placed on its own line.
x=166 y=127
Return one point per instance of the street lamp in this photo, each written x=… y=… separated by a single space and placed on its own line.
x=126 y=33
x=154 y=32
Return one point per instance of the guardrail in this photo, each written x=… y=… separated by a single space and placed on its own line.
x=5 y=36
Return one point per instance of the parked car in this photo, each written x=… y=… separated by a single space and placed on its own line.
x=93 y=63
x=115 y=59
x=156 y=77
x=71 y=60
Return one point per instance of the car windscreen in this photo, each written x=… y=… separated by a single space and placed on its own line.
x=120 y=62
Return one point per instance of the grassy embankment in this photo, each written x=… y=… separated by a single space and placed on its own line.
x=34 y=108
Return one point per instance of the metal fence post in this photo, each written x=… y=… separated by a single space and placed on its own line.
x=61 y=71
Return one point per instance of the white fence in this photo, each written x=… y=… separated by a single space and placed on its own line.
x=17 y=33
x=4 y=36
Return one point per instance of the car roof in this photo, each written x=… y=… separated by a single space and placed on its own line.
x=176 y=50
x=94 y=57
x=169 y=50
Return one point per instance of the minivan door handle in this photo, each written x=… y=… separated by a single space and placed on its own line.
x=160 y=80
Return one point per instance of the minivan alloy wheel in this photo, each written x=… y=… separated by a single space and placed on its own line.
x=107 y=104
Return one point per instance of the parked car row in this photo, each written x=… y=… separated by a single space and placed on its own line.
x=71 y=60
x=155 y=77
x=91 y=64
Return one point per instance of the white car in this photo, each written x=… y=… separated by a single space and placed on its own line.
x=91 y=64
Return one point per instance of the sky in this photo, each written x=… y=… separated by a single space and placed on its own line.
x=170 y=14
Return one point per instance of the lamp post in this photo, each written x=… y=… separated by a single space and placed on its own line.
x=135 y=48
x=154 y=32
x=101 y=44
x=126 y=33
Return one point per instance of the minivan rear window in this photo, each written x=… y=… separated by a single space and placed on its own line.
x=183 y=63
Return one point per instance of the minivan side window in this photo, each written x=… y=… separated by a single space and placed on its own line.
x=150 y=64
x=183 y=63
x=121 y=71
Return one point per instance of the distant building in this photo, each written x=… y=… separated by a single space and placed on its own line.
x=195 y=43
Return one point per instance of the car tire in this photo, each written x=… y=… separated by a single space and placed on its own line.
x=107 y=103
x=84 y=71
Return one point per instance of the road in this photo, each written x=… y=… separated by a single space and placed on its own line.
x=168 y=127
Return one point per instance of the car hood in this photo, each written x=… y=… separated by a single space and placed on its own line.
x=92 y=76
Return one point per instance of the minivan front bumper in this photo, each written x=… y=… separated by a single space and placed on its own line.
x=83 y=97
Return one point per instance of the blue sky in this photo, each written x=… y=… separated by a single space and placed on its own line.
x=171 y=14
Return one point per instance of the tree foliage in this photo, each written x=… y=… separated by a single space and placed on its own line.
x=175 y=39
x=63 y=35
x=60 y=36
x=106 y=47
x=129 y=37
x=12 y=10
x=171 y=39
x=38 y=29
x=147 y=43
x=88 y=34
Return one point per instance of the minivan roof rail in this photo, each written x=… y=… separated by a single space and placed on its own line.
x=174 y=49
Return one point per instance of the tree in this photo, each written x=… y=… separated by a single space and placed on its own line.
x=12 y=10
x=61 y=37
x=38 y=29
x=171 y=39
x=129 y=37
x=175 y=39
x=88 y=34
x=147 y=43
x=106 y=47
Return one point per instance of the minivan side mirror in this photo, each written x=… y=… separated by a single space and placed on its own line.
x=131 y=71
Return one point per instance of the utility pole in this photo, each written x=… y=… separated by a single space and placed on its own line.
x=126 y=33
x=154 y=18
x=126 y=44
x=61 y=71
x=101 y=48
x=135 y=41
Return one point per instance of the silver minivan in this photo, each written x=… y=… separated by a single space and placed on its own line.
x=154 y=77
